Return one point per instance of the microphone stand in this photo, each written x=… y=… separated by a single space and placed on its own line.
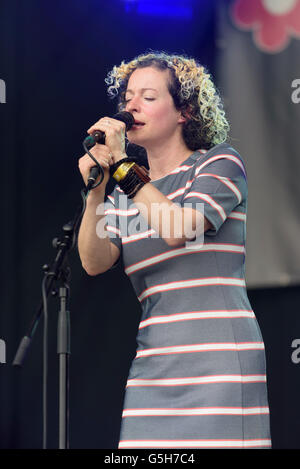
x=58 y=272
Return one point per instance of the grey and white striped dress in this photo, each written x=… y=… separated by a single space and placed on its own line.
x=198 y=379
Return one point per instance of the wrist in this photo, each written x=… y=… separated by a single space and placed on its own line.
x=95 y=197
x=119 y=156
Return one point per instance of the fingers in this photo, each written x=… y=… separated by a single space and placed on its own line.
x=101 y=153
x=114 y=135
x=108 y=125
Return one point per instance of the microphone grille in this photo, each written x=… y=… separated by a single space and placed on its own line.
x=126 y=117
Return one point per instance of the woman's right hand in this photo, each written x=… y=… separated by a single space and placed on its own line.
x=103 y=155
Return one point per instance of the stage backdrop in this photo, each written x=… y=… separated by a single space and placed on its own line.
x=258 y=72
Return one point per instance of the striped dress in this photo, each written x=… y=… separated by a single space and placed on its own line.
x=198 y=379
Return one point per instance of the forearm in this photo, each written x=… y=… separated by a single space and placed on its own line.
x=172 y=222
x=94 y=250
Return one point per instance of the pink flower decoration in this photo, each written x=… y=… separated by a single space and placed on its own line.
x=272 y=21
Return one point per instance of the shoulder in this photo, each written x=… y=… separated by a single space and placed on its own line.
x=222 y=156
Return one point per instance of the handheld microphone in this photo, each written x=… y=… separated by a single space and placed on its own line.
x=99 y=137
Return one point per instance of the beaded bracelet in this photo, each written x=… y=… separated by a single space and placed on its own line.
x=130 y=177
x=114 y=166
x=130 y=196
x=130 y=181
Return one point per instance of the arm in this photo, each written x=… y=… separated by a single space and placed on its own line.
x=97 y=254
x=175 y=224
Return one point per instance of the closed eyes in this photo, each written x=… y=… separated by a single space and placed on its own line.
x=146 y=99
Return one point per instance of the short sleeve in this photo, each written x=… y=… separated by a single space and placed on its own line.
x=219 y=186
x=112 y=223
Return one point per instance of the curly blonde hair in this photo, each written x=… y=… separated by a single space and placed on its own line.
x=192 y=90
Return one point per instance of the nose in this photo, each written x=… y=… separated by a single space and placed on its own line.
x=133 y=104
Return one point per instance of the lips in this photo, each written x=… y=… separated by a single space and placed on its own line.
x=137 y=125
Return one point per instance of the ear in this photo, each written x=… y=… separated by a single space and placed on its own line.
x=184 y=116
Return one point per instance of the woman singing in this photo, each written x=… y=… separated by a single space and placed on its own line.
x=198 y=379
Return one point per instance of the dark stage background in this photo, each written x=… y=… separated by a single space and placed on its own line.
x=54 y=57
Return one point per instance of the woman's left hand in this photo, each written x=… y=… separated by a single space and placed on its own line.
x=114 y=136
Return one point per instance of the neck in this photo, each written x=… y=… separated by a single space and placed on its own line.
x=166 y=157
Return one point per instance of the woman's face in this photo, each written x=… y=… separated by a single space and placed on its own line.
x=148 y=99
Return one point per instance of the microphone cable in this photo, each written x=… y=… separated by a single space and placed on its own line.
x=91 y=186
